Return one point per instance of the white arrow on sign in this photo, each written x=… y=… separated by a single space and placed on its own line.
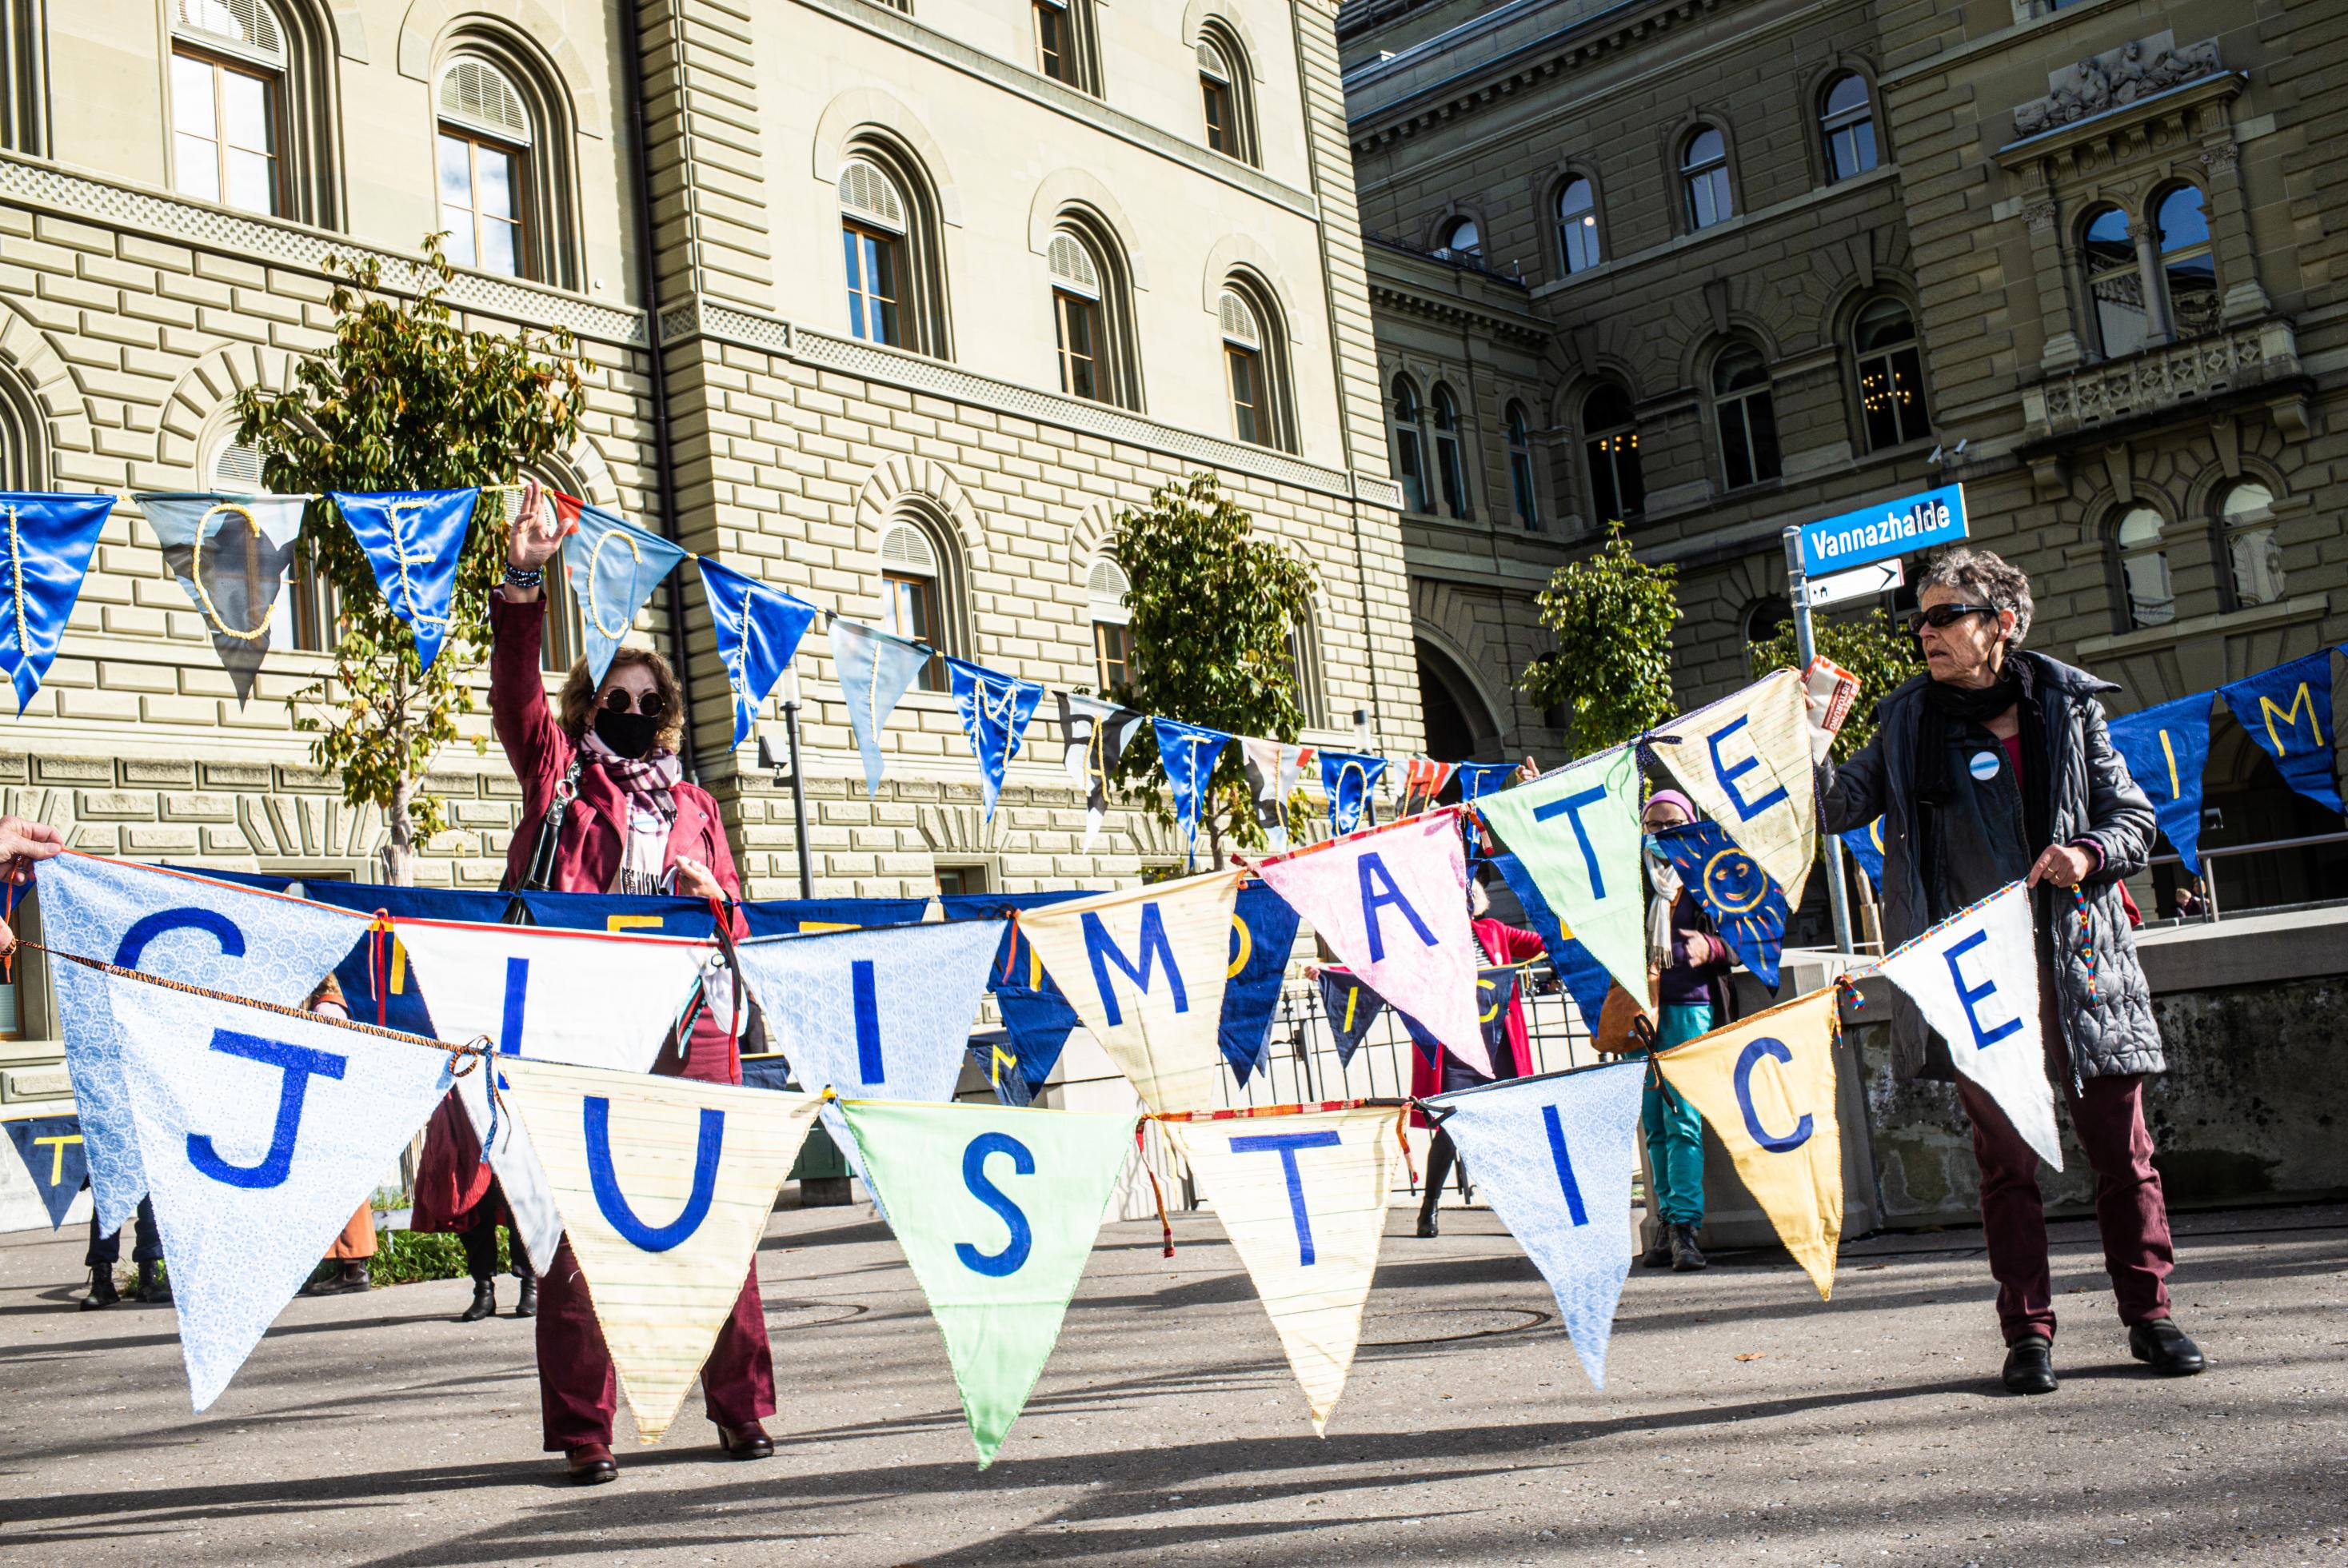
x=1881 y=577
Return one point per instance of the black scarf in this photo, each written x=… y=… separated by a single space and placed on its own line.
x=1951 y=710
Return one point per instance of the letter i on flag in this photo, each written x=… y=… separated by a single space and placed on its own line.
x=1187 y=753
x=613 y=567
x=414 y=539
x=50 y=539
x=758 y=629
x=2166 y=748
x=1303 y=1199
x=1746 y=761
x=1009 y=1199
x=875 y=669
x=994 y=709
x=665 y=1185
x=230 y=553
x=1576 y=834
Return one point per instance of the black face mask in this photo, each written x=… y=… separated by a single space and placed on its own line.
x=630 y=734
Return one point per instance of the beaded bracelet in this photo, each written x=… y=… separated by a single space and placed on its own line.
x=516 y=577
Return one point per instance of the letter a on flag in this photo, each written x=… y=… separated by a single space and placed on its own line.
x=260 y=1134
x=1555 y=1156
x=1575 y=833
x=665 y=1185
x=1746 y=760
x=1303 y=1199
x=1145 y=968
x=1002 y=1208
x=1767 y=1086
x=1974 y=976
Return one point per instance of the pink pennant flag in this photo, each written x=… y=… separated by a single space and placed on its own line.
x=1392 y=904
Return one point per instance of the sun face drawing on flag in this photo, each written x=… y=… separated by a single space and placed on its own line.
x=1737 y=891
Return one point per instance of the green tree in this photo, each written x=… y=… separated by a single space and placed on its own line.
x=406 y=399
x=1612 y=616
x=1213 y=606
x=1871 y=648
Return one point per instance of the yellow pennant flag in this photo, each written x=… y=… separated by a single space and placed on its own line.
x=1145 y=969
x=1303 y=1199
x=1746 y=761
x=1767 y=1086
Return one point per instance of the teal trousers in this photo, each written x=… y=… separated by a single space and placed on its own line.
x=1675 y=1130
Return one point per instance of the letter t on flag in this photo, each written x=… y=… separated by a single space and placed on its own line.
x=1576 y=833
x=757 y=628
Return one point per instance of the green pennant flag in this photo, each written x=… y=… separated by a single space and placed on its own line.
x=1577 y=832
x=1009 y=1201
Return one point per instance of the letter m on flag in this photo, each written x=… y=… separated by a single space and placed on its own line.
x=1102 y=949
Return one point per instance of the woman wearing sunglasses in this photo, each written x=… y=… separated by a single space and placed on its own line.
x=1994 y=766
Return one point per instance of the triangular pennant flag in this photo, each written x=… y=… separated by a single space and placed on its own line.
x=1351 y=1008
x=1145 y=968
x=866 y=1013
x=995 y=709
x=1035 y=1014
x=1264 y=930
x=1577 y=833
x=230 y=553
x=50 y=539
x=1392 y=904
x=1585 y=979
x=1766 y=1087
x=2166 y=747
x=1351 y=780
x=1974 y=978
x=1495 y=988
x=1554 y=1157
x=999 y=1060
x=875 y=670
x=1866 y=846
x=613 y=567
x=1010 y=1202
x=1478 y=780
x=1094 y=734
x=1303 y=1198
x=1746 y=762
x=259 y=1132
x=2285 y=708
x=51 y=1148
x=414 y=539
x=1272 y=770
x=1422 y=781
x=665 y=1185
x=188 y=928
x=1730 y=886
x=1187 y=753
x=757 y=628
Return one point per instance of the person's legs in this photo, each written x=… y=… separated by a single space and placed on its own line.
x=147 y=1252
x=2130 y=1209
x=1674 y=1155
x=480 y=1242
x=103 y=1253
x=575 y=1386
x=2014 y=1219
x=1440 y=1154
x=737 y=1381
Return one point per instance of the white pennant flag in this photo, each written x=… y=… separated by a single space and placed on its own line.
x=873 y=1015
x=1303 y=1199
x=260 y=1134
x=665 y=1185
x=1974 y=976
x=1746 y=761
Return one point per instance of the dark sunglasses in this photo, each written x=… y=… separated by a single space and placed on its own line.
x=1944 y=615
x=616 y=700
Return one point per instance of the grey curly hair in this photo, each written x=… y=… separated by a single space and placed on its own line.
x=1985 y=575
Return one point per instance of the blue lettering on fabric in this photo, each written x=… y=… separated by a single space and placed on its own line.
x=133 y=946
x=299 y=1064
x=1104 y=951
x=1013 y=1255
x=1728 y=774
x=1776 y=1050
x=1967 y=996
x=866 y=997
x=1564 y=1163
x=516 y=1009
x=1373 y=867
x=1570 y=807
x=709 y=1143
x=1285 y=1145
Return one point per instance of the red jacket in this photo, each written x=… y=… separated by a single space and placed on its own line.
x=1501 y=944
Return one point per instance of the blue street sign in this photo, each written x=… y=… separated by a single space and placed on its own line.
x=1880 y=532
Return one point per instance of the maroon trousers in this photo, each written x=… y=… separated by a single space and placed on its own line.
x=575 y=1386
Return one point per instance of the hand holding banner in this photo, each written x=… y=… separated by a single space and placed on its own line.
x=1742 y=900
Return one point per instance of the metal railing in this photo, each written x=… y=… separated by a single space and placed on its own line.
x=2211 y=855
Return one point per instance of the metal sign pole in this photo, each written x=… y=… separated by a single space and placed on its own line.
x=1806 y=649
x=798 y=781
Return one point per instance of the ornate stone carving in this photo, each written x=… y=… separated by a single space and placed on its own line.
x=2220 y=160
x=2165 y=377
x=2039 y=216
x=2119 y=77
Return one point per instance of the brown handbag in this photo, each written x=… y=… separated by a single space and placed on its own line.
x=1622 y=1028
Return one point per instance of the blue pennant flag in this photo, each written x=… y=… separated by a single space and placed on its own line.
x=797 y=916
x=1477 y=778
x=1495 y=988
x=994 y=709
x=992 y=1053
x=1188 y=753
x=1866 y=846
x=50 y=538
x=2285 y=710
x=2164 y=748
x=414 y=539
x=1036 y=1015
x=613 y=567
x=1351 y=1008
x=51 y=1148
x=875 y=669
x=1584 y=977
x=757 y=628
x=1350 y=778
x=767 y=1069
x=1743 y=901
x=1263 y=932
x=230 y=553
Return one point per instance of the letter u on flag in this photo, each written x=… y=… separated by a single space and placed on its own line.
x=758 y=629
x=1009 y=1199
x=1303 y=1199
x=1145 y=968
x=2285 y=710
x=414 y=539
x=1766 y=1085
x=665 y=1185
x=50 y=538
x=613 y=567
x=2166 y=747
x=230 y=553
x=875 y=669
x=995 y=709
x=1746 y=761
x=1575 y=832
x=1974 y=978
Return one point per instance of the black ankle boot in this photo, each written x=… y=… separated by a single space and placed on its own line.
x=526 y=1304
x=484 y=1303
x=1659 y=1254
x=1686 y=1256
x=1426 y=1226
x=101 y=1290
x=2029 y=1366
x=153 y=1289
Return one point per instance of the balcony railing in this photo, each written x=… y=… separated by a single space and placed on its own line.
x=2162 y=378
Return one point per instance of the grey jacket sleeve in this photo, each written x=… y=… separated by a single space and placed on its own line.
x=1851 y=794
x=2119 y=817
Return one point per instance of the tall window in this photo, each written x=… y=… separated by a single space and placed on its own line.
x=1521 y=489
x=1076 y=316
x=1891 y=375
x=1225 y=102
x=1577 y=225
x=228 y=77
x=2115 y=283
x=1746 y=416
x=1462 y=240
x=913 y=596
x=485 y=142
x=2253 y=559
x=872 y=241
x=23 y=79
x=1848 y=123
x=1064 y=43
x=2188 y=267
x=1244 y=370
x=1448 y=467
x=1704 y=175
x=1409 y=446
x=1609 y=447
x=2144 y=567
x=1106 y=587
x=20 y=451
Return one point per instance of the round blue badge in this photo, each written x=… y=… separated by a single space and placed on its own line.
x=1984 y=766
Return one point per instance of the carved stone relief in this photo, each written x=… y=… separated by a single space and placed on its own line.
x=2135 y=70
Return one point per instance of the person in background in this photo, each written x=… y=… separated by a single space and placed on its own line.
x=1688 y=965
x=1500 y=944
x=146 y=1251
x=356 y=1245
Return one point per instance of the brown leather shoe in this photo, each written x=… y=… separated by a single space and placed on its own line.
x=591 y=1464
x=745 y=1442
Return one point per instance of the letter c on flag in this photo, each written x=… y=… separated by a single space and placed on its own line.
x=133 y=946
x=1774 y=1049
x=1013 y=1255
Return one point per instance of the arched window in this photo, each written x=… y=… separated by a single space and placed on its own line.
x=1577 y=225
x=1462 y=240
x=2143 y=568
x=872 y=241
x=1765 y=615
x=1704 y=175
x=1448 y=467
x=1092 y=319
x=1847 y=120
x=21 y=463
x=1105 y=588
x=1410 y=448
x=2188 y=266
x=228 y=102
x=1522 y=491
x=1066 y=48
x=2114 y=282
x=1226 y=99
x=1609 y=447
x=2253 y=559
x=1746 y=414
x=916 y=595
x=1891 y=369
x=506 y=173
x=1255 y=370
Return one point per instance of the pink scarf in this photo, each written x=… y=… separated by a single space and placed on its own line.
x=649 y=785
